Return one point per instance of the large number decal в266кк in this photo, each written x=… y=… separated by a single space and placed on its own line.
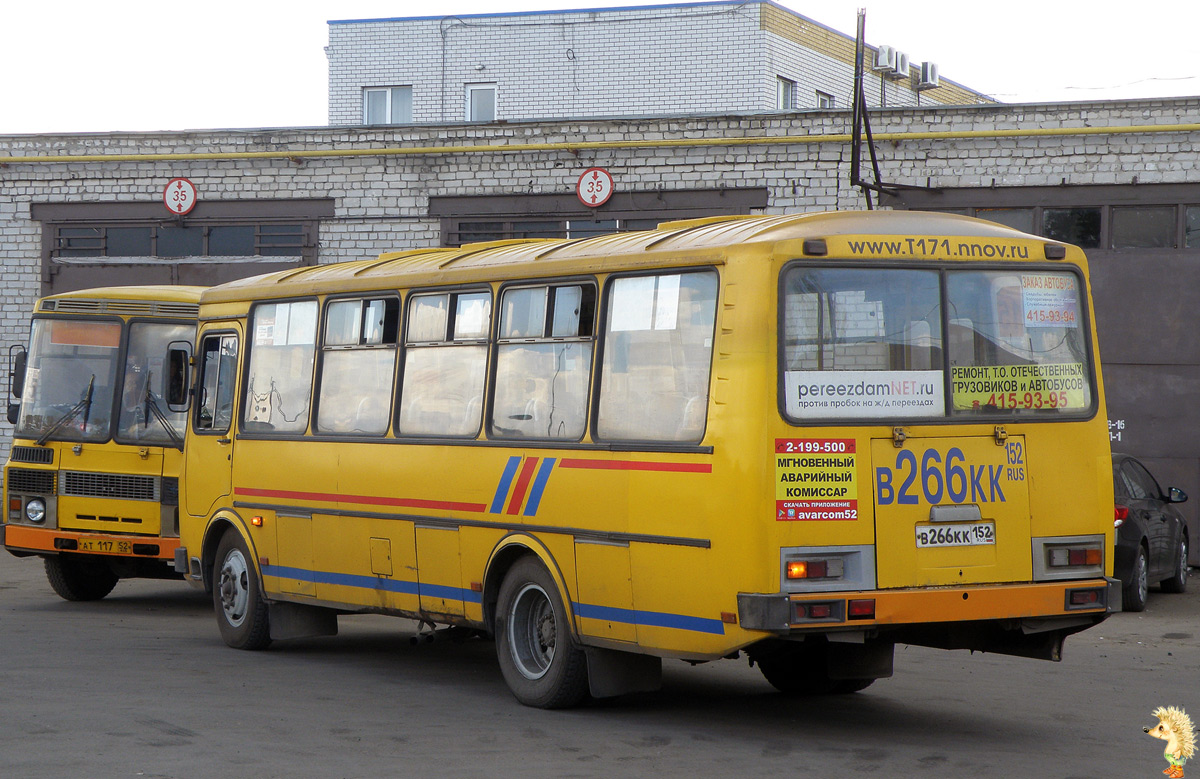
x=948 y=477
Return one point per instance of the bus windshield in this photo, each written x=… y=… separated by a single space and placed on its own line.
x=143 y=417
x=873 y=343
x=74 y=374
x=69 y=384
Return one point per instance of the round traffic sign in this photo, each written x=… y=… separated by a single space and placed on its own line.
x=595 y=187
x=179 y=196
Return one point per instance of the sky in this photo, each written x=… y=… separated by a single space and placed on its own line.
x=71 y=66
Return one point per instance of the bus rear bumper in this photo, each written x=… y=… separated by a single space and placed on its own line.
x=1090 y=599
x=51 y=541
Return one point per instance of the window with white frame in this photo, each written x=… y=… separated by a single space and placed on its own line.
x=481 y=102
x=387 y=105
x=785 y=94
x=824 y=100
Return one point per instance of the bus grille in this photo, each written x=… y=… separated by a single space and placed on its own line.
x=109 y=485
x=32 y=454
x=25 y=481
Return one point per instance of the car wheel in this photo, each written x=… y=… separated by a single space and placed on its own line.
x=80 y=579
x=1134 y=593
x=1178 y=582
x=237 y=596
x=539 y=659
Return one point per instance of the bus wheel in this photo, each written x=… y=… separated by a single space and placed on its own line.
x=541 y=662
x=80 y=579
x=803 y=670
x=237 y=597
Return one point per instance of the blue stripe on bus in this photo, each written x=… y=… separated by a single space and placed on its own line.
x=401 y=586
x=655 y=619
x=510 y=471
x=539 y=484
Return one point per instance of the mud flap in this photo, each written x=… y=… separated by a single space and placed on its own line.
x=613 y=673
x=296 y=620
x=869 y=660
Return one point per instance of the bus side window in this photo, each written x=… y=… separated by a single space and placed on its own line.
x=543 y=362
x=280 y=375
x=218 y=370
x=358 y=363
x=657 y=357
x=445 y=364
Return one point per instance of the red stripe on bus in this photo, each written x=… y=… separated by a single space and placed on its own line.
x=331 y=497
x=518 y=497
x=633 y=465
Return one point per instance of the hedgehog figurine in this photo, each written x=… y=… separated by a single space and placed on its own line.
x=1175 y=727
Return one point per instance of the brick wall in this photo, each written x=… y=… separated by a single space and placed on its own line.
x=381 y=202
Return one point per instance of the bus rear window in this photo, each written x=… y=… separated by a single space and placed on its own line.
x=862 y=343
x=1016 y=343
x=871 y=343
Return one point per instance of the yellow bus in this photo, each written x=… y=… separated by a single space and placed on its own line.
x=805 y=438
x=92 y=484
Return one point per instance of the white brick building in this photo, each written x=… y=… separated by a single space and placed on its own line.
x=730 y=56
x=1120 y=178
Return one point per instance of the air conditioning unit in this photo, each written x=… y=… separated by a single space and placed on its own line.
x=929 y=75
x=900 y=69
x=885 y=59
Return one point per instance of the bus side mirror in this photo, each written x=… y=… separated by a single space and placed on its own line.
x=16 y=370
x=16 y=380
x=179 y=363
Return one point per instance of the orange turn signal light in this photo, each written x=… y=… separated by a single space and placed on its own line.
x=256 y=521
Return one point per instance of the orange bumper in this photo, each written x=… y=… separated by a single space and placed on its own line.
x=36 y=539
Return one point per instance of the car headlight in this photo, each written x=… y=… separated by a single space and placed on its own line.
x=35 y=511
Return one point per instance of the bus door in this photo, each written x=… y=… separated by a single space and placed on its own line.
x=950 y=510
x=209 y=453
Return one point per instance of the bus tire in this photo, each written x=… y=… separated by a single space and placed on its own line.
x=79 y=579
x=237 y=596
x=1178 y=580
x=804 y=670
x=540 y=661
x=1134 y=594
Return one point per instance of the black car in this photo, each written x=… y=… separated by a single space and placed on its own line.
x=1152 y=536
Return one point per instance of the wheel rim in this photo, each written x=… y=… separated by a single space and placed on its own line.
x=532 y=631
x=234 y=587
x=1183 y=563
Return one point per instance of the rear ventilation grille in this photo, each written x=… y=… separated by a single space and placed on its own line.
x=109 y=485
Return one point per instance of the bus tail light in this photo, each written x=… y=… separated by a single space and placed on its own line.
x=815 y=569
x=1062 y=556
x=1120 y=514
x=817 y=611
x=861 y=609
x=1088 y=598
x=1057 y=558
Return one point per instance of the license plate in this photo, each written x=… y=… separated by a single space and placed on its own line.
x=973 y=534
x=105 y=546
